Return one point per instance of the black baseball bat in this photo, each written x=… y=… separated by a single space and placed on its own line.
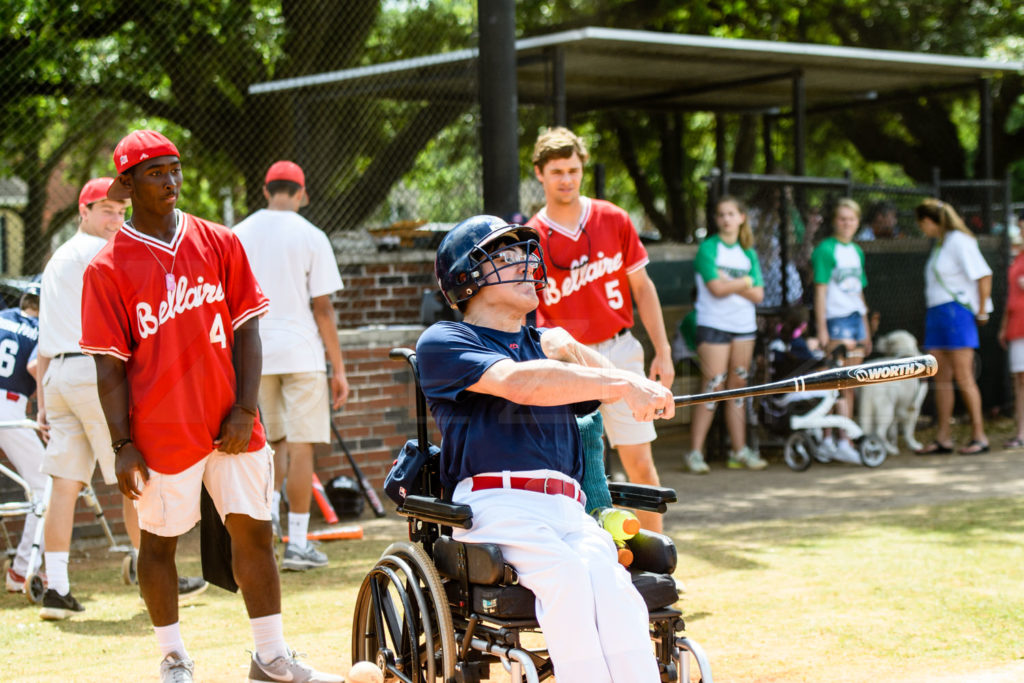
x=836 y=378
x=364 y=483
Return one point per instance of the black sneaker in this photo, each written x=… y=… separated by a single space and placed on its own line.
x=57 y=606
x=191 y=586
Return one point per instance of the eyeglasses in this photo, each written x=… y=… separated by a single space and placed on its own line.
x=512 y=256
x=579 y=262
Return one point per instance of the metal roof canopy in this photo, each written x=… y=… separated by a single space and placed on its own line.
x=599 y=68
x=614 y=68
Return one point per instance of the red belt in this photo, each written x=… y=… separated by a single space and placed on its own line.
x=549 y=485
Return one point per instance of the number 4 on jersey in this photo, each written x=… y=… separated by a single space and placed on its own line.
x=217 y=335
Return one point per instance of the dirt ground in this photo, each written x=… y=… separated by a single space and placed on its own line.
x=727 y=496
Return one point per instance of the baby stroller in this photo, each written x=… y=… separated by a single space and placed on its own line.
x=802 y=417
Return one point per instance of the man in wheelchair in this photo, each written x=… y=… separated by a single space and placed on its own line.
x=505 y=397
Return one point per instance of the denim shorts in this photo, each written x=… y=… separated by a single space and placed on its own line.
x=950 y=326
x=710 y=335
x=847 y=327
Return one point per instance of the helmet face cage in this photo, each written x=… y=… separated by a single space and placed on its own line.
x=509 y=256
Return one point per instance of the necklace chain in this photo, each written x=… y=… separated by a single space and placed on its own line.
x=168 y=274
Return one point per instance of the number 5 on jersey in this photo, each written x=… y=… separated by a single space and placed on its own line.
x=611 y=290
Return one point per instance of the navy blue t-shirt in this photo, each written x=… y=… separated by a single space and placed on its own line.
x=484 y=433
x=19 y=334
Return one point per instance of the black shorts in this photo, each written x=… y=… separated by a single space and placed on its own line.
x=710 y=335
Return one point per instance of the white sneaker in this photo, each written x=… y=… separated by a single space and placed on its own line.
x=694 y=462
x=176 y=669
x=288 y=668
x=845 y=452
x=827 y=450
x=300 y=559
x=746 y=457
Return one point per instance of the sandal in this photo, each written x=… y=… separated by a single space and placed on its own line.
x=974 y=448
x=1015 y=442
x=934 y=448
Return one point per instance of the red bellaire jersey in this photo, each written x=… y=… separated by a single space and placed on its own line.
x=591 y=299
x=177 y=345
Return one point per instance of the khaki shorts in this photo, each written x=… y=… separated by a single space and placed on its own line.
x=625 y=353
x=79 y=437
x=238 y=484
x=295 y=407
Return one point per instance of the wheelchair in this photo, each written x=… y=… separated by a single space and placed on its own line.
x=435 y=609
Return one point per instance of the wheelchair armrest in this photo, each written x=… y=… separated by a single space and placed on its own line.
x=641 y=496
x=431 y=509
x=653 y=552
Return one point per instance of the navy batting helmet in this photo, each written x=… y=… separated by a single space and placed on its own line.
x=479 y=240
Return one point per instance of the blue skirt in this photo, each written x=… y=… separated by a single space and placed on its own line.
x=950 y=326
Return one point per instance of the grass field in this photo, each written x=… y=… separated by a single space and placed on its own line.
x=921 y=594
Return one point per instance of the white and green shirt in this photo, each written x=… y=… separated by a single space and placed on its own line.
x=729 y=313
x=840 y=265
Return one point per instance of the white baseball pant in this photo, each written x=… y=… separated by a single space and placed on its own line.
x=594 y=621
x=25 y=451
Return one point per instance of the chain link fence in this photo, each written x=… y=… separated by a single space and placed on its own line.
x=77 y=77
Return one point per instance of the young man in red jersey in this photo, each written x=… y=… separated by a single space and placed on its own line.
x=597 y=268
x=170 y=312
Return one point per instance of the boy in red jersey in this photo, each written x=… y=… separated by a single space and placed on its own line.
x=170 y=312
x=596 y=268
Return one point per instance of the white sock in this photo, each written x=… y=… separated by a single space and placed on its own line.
x=57 y=571
x=268 y=634
x=298 y=527
x=275 y=503
x=168 y=639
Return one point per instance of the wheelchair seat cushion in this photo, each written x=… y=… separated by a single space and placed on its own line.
x=484 y=562
x=518 y=603
x=657 y=590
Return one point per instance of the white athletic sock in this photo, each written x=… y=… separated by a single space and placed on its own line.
x=57 y=571
x=268 y=634
x=298 y=526
x=275 y=502
x=168 y=639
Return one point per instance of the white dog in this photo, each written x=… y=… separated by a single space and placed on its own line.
x=883 y=406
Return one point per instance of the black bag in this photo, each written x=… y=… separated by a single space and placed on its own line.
x=215 y=545
x=404 y=477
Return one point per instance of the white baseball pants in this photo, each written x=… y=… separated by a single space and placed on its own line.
x=594 y=621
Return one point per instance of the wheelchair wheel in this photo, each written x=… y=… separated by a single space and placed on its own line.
x=129 y=571
x=34 y=588
x=402 y=621
x=799 y=451
x=872 y=451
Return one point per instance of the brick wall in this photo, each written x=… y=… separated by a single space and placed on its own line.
x=383 y=288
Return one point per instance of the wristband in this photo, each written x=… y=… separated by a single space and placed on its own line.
x=251 y=411
x=119 y=444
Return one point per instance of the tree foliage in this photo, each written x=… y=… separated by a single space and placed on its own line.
x=77 y=76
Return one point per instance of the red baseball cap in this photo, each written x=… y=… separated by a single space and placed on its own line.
x=286 y=170
x=94 y=190
x=134 y=148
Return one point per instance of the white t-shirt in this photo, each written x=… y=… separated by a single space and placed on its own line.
x=953 y=270
x=840 y=267
x=732 y=312
x=293 y=261
x=60 y=295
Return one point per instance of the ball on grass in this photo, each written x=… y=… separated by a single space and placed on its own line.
x=365 y=672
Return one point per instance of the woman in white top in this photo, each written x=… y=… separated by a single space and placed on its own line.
x=958 y=283
x=729 y=285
